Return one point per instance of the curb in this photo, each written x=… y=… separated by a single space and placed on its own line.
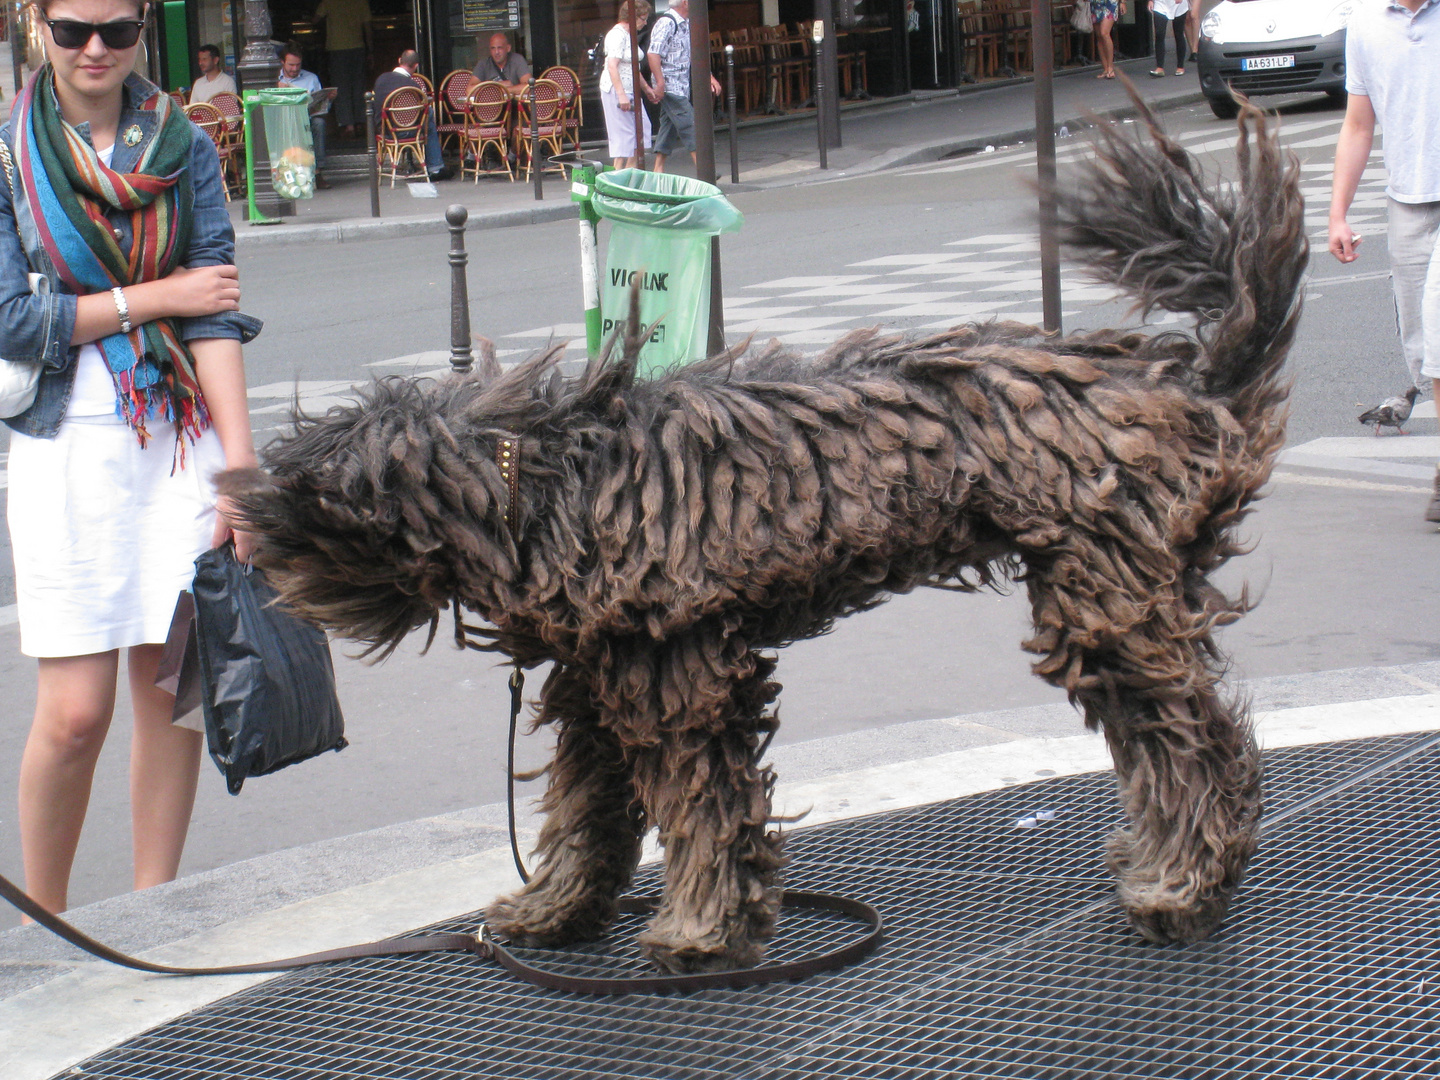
x=351 y=230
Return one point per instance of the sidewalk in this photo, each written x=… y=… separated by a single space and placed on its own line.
x=773 y=152
x=391 y=880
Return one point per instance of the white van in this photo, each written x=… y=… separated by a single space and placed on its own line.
x=1273 y=47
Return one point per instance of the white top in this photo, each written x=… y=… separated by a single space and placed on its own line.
x=617 y=44
x=1393 y=57
x=1171 y=9
x=206 y=87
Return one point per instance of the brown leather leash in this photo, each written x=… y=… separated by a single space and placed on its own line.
x=483 y=944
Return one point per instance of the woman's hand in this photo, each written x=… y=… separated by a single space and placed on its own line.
x=202 y=290
x=623 y=102
x=225 y=530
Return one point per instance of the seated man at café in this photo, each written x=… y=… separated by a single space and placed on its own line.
x=403 y=75
x=503 y=65
x=213 y=79
x=292 y=74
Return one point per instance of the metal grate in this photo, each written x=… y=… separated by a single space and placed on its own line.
x=1005 y=957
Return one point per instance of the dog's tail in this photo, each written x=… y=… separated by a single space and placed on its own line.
x=1144 y=219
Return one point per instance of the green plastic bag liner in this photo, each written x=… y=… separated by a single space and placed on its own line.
x=287 y=140
x=660 y=233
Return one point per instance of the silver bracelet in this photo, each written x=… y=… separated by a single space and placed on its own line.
x=121 y=308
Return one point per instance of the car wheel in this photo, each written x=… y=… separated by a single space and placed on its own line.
x=1225 y=108
x=1337 y=97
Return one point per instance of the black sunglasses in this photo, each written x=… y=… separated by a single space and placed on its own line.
x=121 y=34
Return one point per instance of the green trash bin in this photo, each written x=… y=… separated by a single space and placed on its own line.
x=660 y=233
x=289 y=151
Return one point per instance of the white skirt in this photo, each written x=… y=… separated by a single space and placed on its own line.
x=620 y=125
x=104 y=536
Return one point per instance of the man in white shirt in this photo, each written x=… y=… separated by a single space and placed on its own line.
x=213 y=79
x=669 y=60
x=1392 y=73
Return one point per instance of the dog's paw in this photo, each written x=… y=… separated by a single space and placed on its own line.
x=1167 y=919
x=681 y=957
x=533 y=921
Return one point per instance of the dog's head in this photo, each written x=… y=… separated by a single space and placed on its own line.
x=372 y=517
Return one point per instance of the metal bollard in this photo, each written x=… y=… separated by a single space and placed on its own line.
x=730 y=110
x=370 y=153
x=535 y=169
x=462 y=358
x=817 y=35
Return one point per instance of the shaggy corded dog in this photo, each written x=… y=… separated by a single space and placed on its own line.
x=668 y=535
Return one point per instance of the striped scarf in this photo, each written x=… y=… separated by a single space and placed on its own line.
x=70 y=191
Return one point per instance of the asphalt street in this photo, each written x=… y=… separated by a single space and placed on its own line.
x=1344 y=570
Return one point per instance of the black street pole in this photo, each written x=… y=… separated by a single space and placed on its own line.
x=703 y=99
x=15 y=14
x=730 y=113
x=1043 y=48
x=535 y=170
x=821 y=98
x=461 y=356
x=370 y=153
x=636 y=102
x=260 y=67
x=828 y=60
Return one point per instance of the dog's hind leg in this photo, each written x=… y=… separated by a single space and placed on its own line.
x=1140 y=660
x=711 y=800
x=590 y=842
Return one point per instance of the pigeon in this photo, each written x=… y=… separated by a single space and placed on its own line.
x=1392 y=412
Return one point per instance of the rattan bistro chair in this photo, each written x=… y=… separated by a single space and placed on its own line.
x=487 y=124
x=233 y=114
x=403 y=119
x=569 y=84
x=210 y=120
x=548 y=116
x=450 y=105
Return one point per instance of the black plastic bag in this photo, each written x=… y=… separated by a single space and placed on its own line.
x=268 y=686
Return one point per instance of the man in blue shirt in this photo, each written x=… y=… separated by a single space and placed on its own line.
x=292 y=74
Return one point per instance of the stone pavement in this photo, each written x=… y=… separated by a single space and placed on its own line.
x=773 y=152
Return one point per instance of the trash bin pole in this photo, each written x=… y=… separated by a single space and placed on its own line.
x=582 y=187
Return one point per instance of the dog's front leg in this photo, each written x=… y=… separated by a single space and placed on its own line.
x=590 y=842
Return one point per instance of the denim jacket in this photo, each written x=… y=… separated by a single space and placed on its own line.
x=36 y=326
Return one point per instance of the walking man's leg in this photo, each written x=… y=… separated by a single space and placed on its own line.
x=1430 y=318
x=1412 y=237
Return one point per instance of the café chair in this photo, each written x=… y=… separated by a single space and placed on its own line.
x=208 y=119
x=450 y=105
x=403 y=119
x=569 y=84
x=549 y=116
x=487 y=124
x=233 y=115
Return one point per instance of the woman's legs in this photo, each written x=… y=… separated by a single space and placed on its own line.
x=1177 y=27
x=1160 y=24
x=73 y=706
x=1192 y=29
x=164 y=769
x=1106 y=47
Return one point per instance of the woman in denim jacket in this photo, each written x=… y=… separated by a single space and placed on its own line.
x=116 y=277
